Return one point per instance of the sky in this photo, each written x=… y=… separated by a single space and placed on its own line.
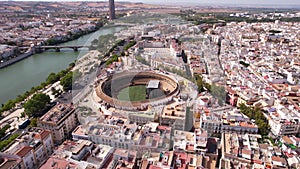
x=277 y=3
x=269 y=2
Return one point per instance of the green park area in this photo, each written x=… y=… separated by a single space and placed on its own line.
x=133 y=93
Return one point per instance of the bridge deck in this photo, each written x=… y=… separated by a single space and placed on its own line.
x=56 y=47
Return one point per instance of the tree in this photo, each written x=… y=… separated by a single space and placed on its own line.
x=8 y=105
x=129 y=45
x=52 y=78
x=114 y=58
x=33 y=122
x=55 y=92
x=256 y=114
x=94 y=42
x=62 y=73
x=22 y=115
x=219 y=93
x=69 y=78
x=36 y=104
x=3 y=130
x=4 y=143
x=244 y=63
x=71 y=65
x=202 y=86
x=66 y=81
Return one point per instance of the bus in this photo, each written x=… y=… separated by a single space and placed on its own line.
x=24 y=124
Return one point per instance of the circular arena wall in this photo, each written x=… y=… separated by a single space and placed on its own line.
x=109 y=88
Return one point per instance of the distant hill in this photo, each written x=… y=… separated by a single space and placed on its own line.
x=27 y=6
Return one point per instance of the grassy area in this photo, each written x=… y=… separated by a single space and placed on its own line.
x=6 y=142
x=133 y=93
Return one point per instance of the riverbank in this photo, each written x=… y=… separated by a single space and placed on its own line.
x=32 y=71
x=16 y=59
x=12 y=108
x=51 y=42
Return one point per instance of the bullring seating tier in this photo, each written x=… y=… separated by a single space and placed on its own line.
x=108 y=88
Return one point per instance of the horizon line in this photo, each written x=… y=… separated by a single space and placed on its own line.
x=187 y=4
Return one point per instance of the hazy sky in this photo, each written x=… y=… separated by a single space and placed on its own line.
x=269 y=3
x=260 y=2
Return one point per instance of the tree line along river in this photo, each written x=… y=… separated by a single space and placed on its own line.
x=23 y=75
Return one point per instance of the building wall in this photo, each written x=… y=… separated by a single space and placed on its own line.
x=178 y=124
x=82 y=153
x=113 y=142
x=140 y=119
x=40 y=155
x=29 y=161
x=211 y=127
x=217 y=127
x=48 y=145
x=60 y=132
x=280 y=129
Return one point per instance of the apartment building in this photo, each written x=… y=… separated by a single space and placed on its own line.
x=234 y=121
x=119 y=134
x=174 y=115
x=283 y=121
x=10 y=161
x=60 y=120
x=33 y=147
x=191 y=142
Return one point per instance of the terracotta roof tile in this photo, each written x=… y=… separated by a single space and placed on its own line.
x=45 y=133
x=23 y=151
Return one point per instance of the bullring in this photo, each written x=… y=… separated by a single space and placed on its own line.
x=109 y=88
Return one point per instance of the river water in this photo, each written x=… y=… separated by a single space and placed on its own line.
x=21 y=76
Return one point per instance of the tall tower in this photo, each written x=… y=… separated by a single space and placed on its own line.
x=112 y=14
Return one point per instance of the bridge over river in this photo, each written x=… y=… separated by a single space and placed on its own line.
x=39 y=49
x=34 y=68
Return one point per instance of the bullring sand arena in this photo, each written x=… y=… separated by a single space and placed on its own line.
x=159 y=87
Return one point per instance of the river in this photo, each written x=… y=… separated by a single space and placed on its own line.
x=21 y=76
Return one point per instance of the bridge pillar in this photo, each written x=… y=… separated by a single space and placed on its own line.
x=37 y=49
x=75 y=49
x=57 y=49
